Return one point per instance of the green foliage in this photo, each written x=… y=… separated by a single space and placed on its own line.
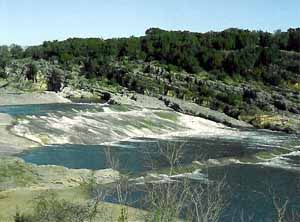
x=268 y=56
x=228 y=55
x=231 y=99
x=49 y=208
x=235 y=50
x=15 y=173
x=4 y=56
x=16 y=51
x=31 y=72
x=242 y=61
x=272 y=75
x=2 y=73
x=19 y=217
x=294 y=39
x=55 y=79
x=205 y=91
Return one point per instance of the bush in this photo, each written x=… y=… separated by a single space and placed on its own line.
x=2 y=73
x=272 y=76
x=205 y=91
x=21 y=217
x=49 y=208
x=231 y=99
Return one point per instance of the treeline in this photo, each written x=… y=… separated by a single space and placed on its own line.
x=256 y=55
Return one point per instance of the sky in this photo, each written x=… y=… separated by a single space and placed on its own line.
x=30 y=22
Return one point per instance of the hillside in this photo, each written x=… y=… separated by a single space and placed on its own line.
x=252 y=76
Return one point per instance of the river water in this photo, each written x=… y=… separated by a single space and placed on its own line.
x=254 y=163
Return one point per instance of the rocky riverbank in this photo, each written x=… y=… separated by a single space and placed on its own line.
x=231 y=101
x=15 y=173
x=287 y=122
x=21 y=183
x=10 y=143
x=203 y=112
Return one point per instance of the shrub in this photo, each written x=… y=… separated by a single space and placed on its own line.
x=231 y=99
x=49 y=208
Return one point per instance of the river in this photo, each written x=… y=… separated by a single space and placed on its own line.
x=253 y=162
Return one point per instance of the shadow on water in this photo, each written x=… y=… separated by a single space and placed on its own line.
x=135 y=156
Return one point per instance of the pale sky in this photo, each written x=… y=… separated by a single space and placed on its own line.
x=30 y=22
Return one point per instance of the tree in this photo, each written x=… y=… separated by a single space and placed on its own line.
x=4 y=56
x=31 y=72
x=268 y=56
x=16 y=51
x=272 y=75
x=281 y=39
x=294 y=39
x=55 y=79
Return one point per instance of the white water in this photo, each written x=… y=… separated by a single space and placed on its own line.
x=284 y=161
x=87 y=127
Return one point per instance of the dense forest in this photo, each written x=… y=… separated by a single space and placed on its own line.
x=255 y=55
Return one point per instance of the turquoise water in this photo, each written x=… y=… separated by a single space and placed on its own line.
x=43 y=109
x=251 y=185
x=252 y=189
x=134 y=155
x=250 y=193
